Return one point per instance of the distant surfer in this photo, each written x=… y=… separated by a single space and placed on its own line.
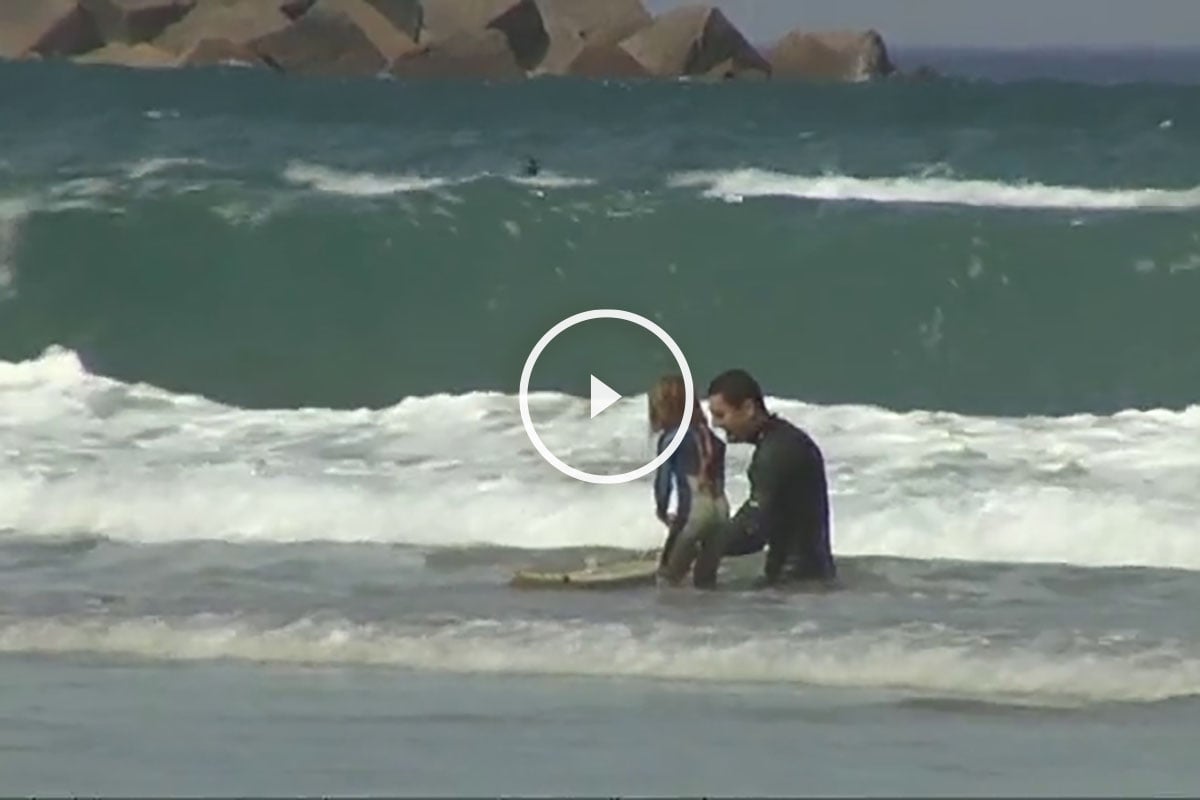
x=696 y=473
x=788 y=508
x=532 y=168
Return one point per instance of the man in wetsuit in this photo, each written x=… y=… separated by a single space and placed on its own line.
x=788 y=508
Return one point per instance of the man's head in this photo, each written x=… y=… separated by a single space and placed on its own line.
x=735 y=402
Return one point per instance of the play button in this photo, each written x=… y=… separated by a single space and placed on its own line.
x=604 y=396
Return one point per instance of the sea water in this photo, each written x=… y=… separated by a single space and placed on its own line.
x=264 y=478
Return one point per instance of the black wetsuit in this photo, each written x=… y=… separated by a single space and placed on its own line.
x=788 y=508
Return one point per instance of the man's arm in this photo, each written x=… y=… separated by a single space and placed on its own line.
x=757 y=523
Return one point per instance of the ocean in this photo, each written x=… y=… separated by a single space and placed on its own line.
x=264 y=479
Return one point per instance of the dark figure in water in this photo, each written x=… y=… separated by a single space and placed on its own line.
x=788 y=508
x=531 y=167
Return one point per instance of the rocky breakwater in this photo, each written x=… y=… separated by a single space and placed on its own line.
x=475 y=39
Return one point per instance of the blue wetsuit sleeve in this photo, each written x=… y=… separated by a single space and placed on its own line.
x=662 y=481
x=674 y=473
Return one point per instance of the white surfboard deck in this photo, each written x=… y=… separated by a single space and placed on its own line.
x=612 y=575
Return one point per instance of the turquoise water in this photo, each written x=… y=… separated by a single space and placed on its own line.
x=264 y=477
x=995 y=248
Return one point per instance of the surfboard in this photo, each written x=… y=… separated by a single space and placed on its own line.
x=613 y=575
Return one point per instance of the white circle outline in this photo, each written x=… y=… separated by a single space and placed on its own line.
x=688 y=397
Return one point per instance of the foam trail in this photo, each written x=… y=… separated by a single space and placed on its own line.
x=737 y=185
x=153 y=166
x=357 y=184
x=550 y=180
x=909 y=660
x=368 y=184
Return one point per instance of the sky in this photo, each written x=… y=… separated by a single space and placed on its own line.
x=975 y=23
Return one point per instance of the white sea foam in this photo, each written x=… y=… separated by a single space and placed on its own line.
x=737 y=185
x=83 y=453
x=914 y=659
x=358 y=184
x=159 y=164
x=331 y=180
x=551 y=180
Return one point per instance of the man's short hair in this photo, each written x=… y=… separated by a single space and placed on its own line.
x=737 y=386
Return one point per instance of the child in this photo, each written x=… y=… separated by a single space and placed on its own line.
x=696 y=471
